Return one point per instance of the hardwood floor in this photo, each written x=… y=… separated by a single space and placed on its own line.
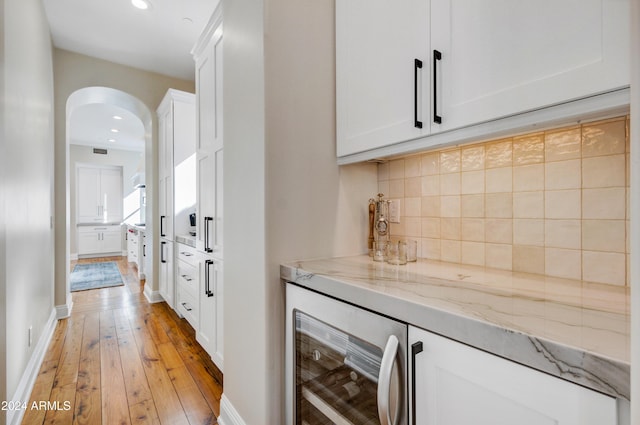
x=120 y=360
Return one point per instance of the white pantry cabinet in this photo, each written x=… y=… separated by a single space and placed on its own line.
x=481 y=61
x=209 y=333
x=99 y=240
x=457 y=384
x=98 y=194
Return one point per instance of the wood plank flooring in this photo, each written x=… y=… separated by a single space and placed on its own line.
x=120 y=360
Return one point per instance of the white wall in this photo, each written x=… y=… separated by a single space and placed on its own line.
x=285 y=197
x=26 y=161
x=73 y=71
x=128 y=160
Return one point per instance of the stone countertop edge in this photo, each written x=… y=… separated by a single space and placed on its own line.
x=186 y=240
x=588 y=369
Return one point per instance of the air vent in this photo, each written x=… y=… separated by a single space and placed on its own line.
x=99 y=151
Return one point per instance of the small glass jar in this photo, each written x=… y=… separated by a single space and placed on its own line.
x=397 y=253
x=379 y=250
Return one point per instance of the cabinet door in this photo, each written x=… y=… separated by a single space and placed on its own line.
x=502 y=57
x=88 y=242
x=209 y=94
x=88 y=195
x=165 y=204
x=209 y=333
x=456 y=384
x=111 y=240
x=205 y=205
x=380 y=93
x=111 y=195
x=166 y=280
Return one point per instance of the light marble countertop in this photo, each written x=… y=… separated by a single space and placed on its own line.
x=187 y=240
x=576 y=330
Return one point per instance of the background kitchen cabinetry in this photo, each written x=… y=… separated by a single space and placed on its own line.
x=99 y=194
x=209 y=195
x=457 y=384
x=99 y=240
x=481 y=61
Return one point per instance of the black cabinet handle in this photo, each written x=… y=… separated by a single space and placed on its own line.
x=416 y=348
x=144 y=250
x=207 y=246
x=162 y=244
x=436 y=57
x=417 y=64
x=162 y=217
x=207 y=278
x=185 y=307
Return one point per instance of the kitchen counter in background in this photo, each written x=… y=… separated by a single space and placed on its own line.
x=187 y=240
x=575 y=330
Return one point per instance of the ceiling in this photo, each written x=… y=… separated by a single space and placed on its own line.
x=158 y=39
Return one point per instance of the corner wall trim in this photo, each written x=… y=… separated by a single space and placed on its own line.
x=64 y=311
x=28 y=379
x=228 y=414
x=151 y=295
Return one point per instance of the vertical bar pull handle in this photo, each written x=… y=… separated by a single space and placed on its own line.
x=162 y=217
x=207 y=246
x=436 y=57
x=207 y=278
x=162 y=244
x=387 y=365
x=416 y=348
x=417 y=63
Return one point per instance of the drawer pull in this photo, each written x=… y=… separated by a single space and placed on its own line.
x=186 y=254
x=186 y=277
x=185 y=307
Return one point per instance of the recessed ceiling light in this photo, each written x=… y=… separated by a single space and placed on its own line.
x=117 y=117
x=141 y=4
x=112 y=140
x=114 y=130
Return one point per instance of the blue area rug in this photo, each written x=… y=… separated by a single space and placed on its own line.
x=94 y=276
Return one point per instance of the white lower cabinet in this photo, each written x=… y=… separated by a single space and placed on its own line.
x=209 y=334
x=98 y=240
x=456 y=384
x=188 y=284
x=166 y=279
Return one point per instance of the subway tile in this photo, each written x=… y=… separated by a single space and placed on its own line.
x=412 y=166
x=609 y=203
x=563 y=175
x=528 y=232
x=499 y=230
x=627 y=248
x=603 y=267
x=431 y=228
x=430 y=206
x=383 y=171
x=604 y=171
x=604 y=138
x=397 y=229
x=413 y=187
x=472 y=253
x=413 y=227
x=430 y=185
x=498 y=256
x=431 y=248
x=562 y=144
x=499 y=180
x=472 y=182
x=472 y=229
x=472 y=205
x=472 y=158
x=412 y=207
x=563 y=234
x=450 y=251
x=528 y=149
x=450 y=161
x=528 y=204
x=565 y=263
x=450 y=184
x=450 y=228
x=528 y=177
x=498 y=205
x=430 y=164
x=396 y=169
x=528 y=259
x=396 y=188
x=450 y=206
x=562 y=204
x=604 y=235
x=499 y=154
x=383 y=187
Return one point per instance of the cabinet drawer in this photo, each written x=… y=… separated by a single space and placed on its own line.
x=187 y=254
x=187 y=276
x=188 y=306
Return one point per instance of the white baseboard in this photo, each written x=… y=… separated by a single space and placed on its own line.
x=73 y=257
x=151 y=295
x=64 y=311
x=228 y=414
x=25 y=386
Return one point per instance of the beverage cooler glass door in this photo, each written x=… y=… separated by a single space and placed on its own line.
x=345 y=365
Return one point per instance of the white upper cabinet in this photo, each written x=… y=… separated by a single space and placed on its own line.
x=482 y=61
x=501 y=57
x=99 y=194
x=382 y=73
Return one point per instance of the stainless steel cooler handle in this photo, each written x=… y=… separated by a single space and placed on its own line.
x=384 y=383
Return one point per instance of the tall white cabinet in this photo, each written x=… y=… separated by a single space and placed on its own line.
x=99 y=194
x=176 y=115
x=209 y=197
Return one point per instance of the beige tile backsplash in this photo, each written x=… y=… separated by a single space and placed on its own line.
x=553 y=203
